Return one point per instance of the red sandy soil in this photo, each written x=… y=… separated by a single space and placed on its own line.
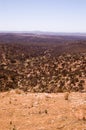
x=42 y=111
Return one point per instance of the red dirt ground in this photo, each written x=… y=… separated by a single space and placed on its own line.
x=42 y=111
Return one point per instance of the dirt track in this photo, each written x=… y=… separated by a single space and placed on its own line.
x=42 y=111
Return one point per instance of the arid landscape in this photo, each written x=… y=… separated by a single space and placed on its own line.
x=42 y=81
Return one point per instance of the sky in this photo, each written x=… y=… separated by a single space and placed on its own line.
x=43 y=15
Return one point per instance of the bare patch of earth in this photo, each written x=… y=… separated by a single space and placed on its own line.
x=42 y=111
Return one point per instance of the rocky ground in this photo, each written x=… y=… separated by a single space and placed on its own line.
x=42 y=111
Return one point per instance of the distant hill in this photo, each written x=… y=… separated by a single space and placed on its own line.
x=40 y=37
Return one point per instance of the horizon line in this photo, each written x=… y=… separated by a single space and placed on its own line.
x=39 y=31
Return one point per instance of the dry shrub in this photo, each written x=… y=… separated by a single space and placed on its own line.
x=46 y=112
x=66 y=95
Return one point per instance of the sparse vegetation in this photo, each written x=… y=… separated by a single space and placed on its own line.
x=46 y=112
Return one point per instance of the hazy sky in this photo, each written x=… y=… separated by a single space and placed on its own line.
x=43 y=15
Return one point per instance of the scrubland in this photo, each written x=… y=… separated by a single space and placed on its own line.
x=42 y=82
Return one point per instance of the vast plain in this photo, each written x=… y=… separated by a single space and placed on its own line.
x=42 y=81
